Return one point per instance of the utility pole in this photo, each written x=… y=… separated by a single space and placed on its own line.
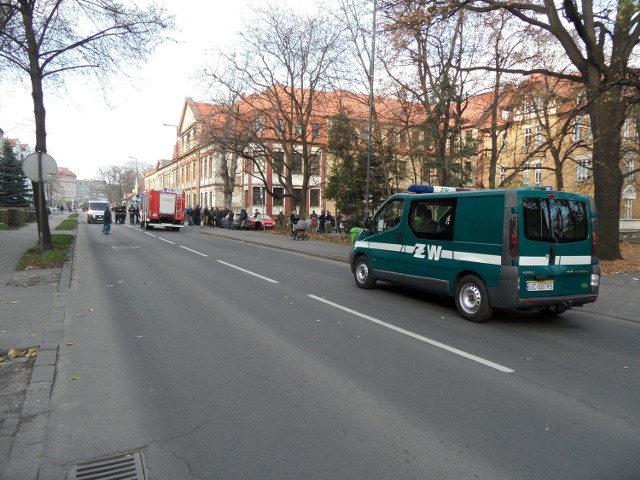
x=371 y=99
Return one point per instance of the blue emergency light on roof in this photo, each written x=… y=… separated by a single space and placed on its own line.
x=430 y=189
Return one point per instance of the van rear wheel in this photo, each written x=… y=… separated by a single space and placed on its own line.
x=472 y=299
x=363 y=273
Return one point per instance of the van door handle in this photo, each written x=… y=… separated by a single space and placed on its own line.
x=552 y=255
x=400 y=237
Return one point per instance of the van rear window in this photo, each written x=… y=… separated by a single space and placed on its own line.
x=555 y=220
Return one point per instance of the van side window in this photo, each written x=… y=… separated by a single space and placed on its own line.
x=389 y=216
x=432 y=219
x=554 y=220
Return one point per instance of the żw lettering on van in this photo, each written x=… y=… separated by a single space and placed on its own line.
x=433 y=251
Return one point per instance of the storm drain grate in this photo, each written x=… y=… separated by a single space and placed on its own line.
x=120 y=467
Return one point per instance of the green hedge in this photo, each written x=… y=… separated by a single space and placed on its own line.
x=16 y=217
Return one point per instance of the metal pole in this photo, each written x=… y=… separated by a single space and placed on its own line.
x=41 y=202
x=369 y=140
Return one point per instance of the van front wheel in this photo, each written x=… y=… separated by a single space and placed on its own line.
x=472 y=299
x=363 y=274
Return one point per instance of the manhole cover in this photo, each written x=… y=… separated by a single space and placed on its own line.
x=119 y=467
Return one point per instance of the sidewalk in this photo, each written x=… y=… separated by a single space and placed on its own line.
x=318 y=248
x=32 y=305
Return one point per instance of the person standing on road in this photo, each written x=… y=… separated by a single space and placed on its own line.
x=230 y=219
x=106 y=221
x=205 y=217
x=243 y=219
x=196 y=215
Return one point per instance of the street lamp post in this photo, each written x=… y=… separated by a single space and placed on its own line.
x=371 y=99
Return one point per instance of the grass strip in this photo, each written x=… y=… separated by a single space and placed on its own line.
x=33 y=258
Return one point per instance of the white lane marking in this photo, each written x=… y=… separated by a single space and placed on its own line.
x=168 y=241
x=150 y=234
x=434 y=343
x=194 y=251
x=249 y=272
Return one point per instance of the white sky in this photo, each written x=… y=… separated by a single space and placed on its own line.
x=84 y=133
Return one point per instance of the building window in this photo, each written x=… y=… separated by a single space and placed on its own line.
x=280 y=127
x=315 y=130
x=298 y=129
x=296 y=168
x=502 y=173
x=259 y=165
x=527 y=137
x=526 y=178
x=297 y=195
x=577 y=130
x=258 y=196
x=314 y=164
x=539 y=135
x=584 y=169
x=278 y=162
x=314 y=197
x=538 y=172
x=629 y=166
x=278 y=197
x=628 y=209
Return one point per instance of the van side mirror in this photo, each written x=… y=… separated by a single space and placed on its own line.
x=368 y=224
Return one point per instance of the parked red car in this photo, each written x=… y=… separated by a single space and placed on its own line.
x=261 y=221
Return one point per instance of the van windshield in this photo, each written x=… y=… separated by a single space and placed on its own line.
x=98 y=205
x=555 y=220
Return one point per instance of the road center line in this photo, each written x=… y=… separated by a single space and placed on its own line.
x=150 y=234
x=249 y=272
x=168 y=241
x=193 y=251
x=434 y=343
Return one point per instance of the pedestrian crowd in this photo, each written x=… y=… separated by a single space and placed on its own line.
x=224 y=218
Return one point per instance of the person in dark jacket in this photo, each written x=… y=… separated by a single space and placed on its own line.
x=106 y=221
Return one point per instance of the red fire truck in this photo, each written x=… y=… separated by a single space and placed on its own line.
x=162 y=208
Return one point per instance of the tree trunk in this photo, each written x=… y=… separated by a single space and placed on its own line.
x=607 y=115
x=46 y=242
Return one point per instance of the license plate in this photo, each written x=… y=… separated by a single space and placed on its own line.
x=542 y=286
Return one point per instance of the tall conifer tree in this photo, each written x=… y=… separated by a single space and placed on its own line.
x=13 y=186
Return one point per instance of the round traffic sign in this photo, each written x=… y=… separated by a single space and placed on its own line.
x=40 y=164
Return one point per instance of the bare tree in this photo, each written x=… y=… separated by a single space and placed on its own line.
x=428 y=65
x=50 y=39
x=286 y=60
x=599 y=39
x=228 y=132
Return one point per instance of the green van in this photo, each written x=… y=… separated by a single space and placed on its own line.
x=524 y=248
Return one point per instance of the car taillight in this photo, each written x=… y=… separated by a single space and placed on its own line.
x=513 y=237
x=594 y=239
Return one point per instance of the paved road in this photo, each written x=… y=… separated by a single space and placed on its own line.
x=576 y=379
x=220 y=359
